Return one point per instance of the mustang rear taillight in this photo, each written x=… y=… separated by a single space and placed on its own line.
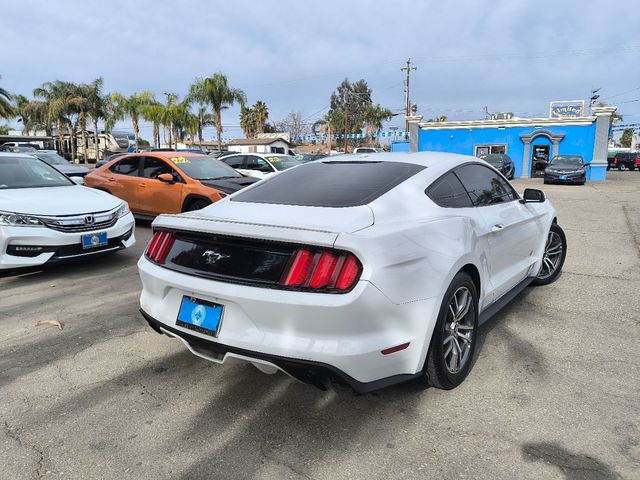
x=159 y=246
x=322 y=270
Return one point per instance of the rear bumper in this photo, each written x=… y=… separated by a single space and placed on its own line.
x=306 y=371
x=338 y=335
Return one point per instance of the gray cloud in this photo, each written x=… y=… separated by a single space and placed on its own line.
x=507 y=55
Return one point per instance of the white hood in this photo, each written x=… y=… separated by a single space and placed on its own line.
x=71 y=200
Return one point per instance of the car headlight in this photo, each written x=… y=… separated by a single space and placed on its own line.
x=10 y=219
x=123 y=210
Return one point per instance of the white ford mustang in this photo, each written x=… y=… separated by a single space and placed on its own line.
x=368 y=271
x=46 y=218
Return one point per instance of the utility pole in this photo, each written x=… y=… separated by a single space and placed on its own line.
x=346 y=118
x=407 y=98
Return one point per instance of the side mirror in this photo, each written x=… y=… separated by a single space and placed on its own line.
x=77 y=180
x=532 y=195
x=266 y=169
x=166 y=178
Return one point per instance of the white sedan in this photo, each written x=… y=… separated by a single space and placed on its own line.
x=365 y=271
x=45 y=217
x=260 y=165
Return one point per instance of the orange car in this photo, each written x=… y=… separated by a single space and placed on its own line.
x=167 y=182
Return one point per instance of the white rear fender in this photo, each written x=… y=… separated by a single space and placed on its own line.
x=417 y=264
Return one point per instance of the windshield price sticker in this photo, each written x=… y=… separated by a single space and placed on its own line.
x=273 y=159
x=179 y=160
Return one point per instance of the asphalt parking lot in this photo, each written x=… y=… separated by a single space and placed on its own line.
x=554 y=392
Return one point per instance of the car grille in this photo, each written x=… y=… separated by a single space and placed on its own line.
x=82 y=223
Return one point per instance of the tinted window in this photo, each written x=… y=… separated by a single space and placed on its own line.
x=127 y=166
x=449 y=192
x=257 y=163
x=29 y=173
x=485 y=187
x=152 y=167
x=330 y=184
x=235 y=161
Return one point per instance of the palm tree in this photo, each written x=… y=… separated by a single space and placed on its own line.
x=58 y=102
x=260 y=115
x=132 y=107
x=6 y=109
x=155 y=113
x=97 y=108
x=247 y=122
x=374 y=117
x=26 y=112
x=216 y=92
x=205 y=119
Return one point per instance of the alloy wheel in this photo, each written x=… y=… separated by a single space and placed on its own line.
x=553 y=251
x=459 y=330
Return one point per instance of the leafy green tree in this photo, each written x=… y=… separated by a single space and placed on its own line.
x=626 y=138
x=216 y=92
x=247 y=122
x=4 y=129
x=350 y=101
x=132 y=107
x=57 y=103
x=26 y=112
x=260 y=114
x=155 y=113
x=374 y=117
x=6 y=109
x=97 y=107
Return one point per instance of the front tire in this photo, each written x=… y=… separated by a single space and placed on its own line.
x=453 y=342
x=555 y=252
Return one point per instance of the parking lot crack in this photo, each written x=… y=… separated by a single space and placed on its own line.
x=12 y=433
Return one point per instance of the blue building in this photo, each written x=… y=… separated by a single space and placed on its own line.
x=524 y=139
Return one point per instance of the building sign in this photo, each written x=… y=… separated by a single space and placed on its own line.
x=566 y=109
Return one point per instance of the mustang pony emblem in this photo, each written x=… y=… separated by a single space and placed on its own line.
x=211 y=257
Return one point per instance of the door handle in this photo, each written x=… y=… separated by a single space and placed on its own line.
x=142 y=185
x=497 y=227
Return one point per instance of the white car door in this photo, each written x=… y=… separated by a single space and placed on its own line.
x=510 y=229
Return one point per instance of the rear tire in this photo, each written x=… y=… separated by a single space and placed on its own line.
x=555 y=252
x=453 y=342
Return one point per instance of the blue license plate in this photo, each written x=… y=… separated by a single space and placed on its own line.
x=563 y=177
x=200 y=316
x=93 y=240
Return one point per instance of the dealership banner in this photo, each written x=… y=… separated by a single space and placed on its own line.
x=349 y=136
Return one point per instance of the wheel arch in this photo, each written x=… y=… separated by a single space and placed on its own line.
x=471 y=270
x=192 y=197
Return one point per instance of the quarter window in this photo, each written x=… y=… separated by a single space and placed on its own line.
x=127 y=166
x=448 y=192
x=484 y=186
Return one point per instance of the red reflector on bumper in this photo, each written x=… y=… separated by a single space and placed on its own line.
x=395 y=349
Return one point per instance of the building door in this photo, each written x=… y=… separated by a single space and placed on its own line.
x=539 y=159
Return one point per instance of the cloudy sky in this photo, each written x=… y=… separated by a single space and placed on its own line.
x=511 y=56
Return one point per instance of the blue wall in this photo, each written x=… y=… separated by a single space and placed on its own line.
x=578 y=140
x=401 y=146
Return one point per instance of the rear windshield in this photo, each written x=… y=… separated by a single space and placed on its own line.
x=330 y=184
